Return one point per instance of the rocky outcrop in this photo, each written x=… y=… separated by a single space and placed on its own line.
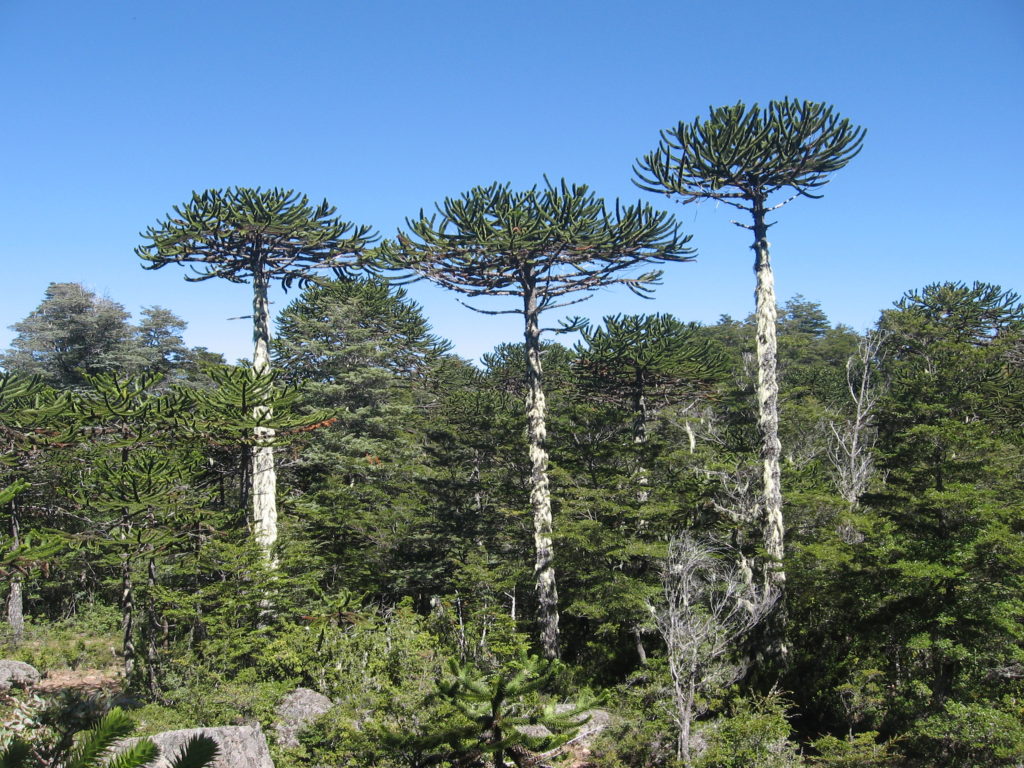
x=17 y=674
x=297 y=710
x=241 y=746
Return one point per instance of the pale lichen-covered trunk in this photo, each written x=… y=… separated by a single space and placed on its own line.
x=768 y=422
x=540 y=492
x=127 y=613
x=263 y=475
x=15 y=598
x=640 y=417
x=152 y=662
x=16 y=612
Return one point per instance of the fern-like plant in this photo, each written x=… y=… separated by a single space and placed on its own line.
x=94 y=749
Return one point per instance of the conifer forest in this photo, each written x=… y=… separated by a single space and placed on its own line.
x=628 y=541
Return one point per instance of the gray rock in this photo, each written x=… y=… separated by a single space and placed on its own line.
x=17 y=673
x=599 y=720
x=537 y=731
x=241 y=746
x=297 y=710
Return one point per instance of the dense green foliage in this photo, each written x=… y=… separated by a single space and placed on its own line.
x=406 y=534
x=406 y=547
x=417 y=520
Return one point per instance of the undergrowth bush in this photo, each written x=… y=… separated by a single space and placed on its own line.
x=87 y=640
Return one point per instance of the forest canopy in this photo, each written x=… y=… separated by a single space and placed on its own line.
x=778 y=541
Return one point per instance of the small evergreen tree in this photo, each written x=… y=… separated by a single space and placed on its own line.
x=501 y=716
x=637 y=359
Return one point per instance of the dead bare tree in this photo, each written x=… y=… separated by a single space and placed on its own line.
x=852 y=440
x=709 y=605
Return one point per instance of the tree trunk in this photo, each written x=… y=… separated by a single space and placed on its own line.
x=850 y=449
x=638 y=639
x=15 y=598
x=16 y=612
x=686 y=722
x=540 y=493
x=640 y=436
x=152 y=627
x=768 y=422
x=263 y=474
x=127 y=616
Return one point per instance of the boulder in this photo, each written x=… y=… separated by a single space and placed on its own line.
x=241 y=746
x=17 y=674
x=297 y=710
x=599 y=719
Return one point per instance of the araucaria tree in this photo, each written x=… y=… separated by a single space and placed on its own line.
x=744 y=156
x=546 y=247
x=634 y=359
x=251 y=235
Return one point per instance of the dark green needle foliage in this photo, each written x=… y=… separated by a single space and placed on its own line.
x=558 y=240
x=33 y=420
x=227 y=413
x=740 y=155
x=634 y=360
x=26 y=552
x=239 y=234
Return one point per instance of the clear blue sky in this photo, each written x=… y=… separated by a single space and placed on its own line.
x=112 y=112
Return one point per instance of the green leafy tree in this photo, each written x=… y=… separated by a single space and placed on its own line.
x=743 y=157
x=33 y=420
x=548 y=248
x=159 y=334
x=137 y=489
x=74 y=334
x=628 y=373
x=909 y=602
x=250 y=235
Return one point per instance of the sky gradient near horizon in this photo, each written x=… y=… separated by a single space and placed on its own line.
x=116 y=111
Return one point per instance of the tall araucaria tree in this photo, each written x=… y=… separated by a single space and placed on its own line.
x=251 y=235
x=744 y=156
x=544 y=247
